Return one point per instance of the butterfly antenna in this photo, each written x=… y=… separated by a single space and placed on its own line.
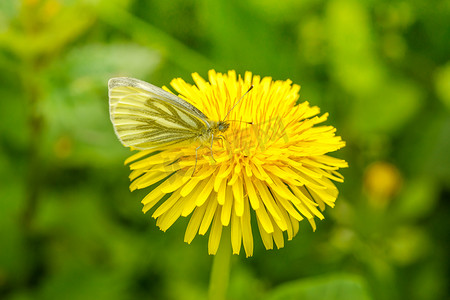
x=249 y=123
x=238 y=102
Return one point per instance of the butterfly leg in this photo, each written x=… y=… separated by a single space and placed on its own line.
x=223 y=141
x=212 y=140
x=222 y=137
x=195 y=166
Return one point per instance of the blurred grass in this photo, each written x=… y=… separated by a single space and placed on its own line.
x=69 y=228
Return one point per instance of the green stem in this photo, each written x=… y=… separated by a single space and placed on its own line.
x=220 y=272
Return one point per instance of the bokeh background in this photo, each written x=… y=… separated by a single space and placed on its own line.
x=69 y=227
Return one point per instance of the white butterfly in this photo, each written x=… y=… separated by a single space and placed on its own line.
x=147 y=117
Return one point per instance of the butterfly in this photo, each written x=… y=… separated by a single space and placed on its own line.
x=146 y=117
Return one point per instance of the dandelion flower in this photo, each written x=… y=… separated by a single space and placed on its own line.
x=271 y=164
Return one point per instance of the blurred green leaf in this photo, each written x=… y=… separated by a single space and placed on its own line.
x=442 y=84
x=388 y=108
x=244 y=284
x=93 y=63
x=330 y=287
x=143 y=32
x=8 y=10
x=408 y=245
x=14 y=259
x=82 y=282
x=354 y=63
x=43 y=29
x=265 y=52
x=13 y=115
x=418 y=199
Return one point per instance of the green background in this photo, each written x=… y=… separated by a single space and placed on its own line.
x=69 y=227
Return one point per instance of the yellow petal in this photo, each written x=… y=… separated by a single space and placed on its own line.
x=215 y=234
x=254 y=199
x=236 y=234
x=247 y=235
x=227 y=207
x=194 y=224
x=238 y=194
x=209 y=213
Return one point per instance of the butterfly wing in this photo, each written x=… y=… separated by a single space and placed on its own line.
x=147 y=117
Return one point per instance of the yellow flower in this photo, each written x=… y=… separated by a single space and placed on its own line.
x=270 y=164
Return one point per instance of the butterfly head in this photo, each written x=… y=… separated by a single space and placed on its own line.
x=219 y=127
x=222 y=126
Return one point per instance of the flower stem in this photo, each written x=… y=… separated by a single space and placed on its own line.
x=220 y=272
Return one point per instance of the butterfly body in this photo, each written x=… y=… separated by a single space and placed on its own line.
x=147 y=117
x=213 y=131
